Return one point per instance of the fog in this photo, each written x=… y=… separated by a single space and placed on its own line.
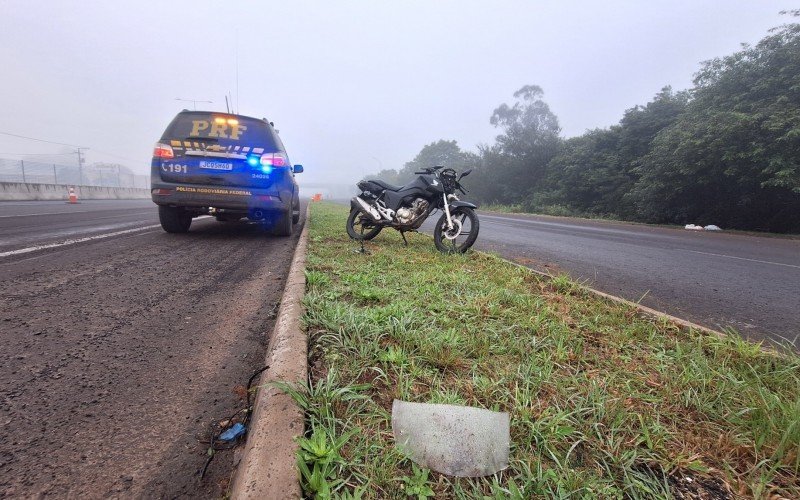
x=353 y=86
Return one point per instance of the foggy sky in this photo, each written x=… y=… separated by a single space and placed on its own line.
x=353 y=86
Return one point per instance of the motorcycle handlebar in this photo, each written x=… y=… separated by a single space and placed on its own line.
x=429 y=170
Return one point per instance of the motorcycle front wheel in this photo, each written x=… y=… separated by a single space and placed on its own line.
x=360 y=226
x=461 y=236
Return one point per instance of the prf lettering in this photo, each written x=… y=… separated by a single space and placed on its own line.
x=223 y=130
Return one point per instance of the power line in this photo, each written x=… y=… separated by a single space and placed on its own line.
x=65 y=144
x=193 y=101
x=38 y=154
x=40 y=140
x=118 y=156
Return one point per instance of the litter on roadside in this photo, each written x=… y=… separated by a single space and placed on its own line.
x=710 y=227
x=234 y=432
x=460 y=441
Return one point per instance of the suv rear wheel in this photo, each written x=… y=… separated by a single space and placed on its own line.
x=174 y=220
x=283 y=227
x=296 y=213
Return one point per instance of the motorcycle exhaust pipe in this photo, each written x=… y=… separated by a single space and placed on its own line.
x=368 y=209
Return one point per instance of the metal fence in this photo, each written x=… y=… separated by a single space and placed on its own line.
x=33 y=172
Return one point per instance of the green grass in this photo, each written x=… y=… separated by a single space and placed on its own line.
x=603 y=402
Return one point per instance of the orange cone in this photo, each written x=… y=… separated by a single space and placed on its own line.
x=73 y=198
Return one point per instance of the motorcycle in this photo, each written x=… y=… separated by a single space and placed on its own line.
x=405 y=208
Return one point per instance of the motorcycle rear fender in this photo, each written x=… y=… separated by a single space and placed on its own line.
x=456 y=204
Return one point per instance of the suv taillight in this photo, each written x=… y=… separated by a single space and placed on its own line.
x=163 y=151
x=274 y=160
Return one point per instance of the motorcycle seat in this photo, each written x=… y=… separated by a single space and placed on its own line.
x=386 y=185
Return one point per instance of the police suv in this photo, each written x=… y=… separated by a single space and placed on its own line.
x=225 y=165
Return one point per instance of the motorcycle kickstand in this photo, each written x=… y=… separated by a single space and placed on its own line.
x=361 y=241
x=403 y=234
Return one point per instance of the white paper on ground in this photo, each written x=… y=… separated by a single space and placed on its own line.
x=459 y=441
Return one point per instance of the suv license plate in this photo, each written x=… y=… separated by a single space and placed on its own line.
x=215 y=165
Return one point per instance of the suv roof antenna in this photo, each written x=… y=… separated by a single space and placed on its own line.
x=237 y=72
x=226 y=105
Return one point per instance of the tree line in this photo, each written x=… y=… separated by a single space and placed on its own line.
x=724 y=152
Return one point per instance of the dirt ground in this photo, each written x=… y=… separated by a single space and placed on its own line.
x=117 y=355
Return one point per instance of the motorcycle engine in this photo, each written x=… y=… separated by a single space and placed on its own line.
x=407 y=215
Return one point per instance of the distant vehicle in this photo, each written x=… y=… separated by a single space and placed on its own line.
x=225 y=165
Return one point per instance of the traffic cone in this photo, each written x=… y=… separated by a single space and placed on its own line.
x=73 y=198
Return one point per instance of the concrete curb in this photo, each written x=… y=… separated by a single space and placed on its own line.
x=267 y=468
x=766 y=349
x=613 y=298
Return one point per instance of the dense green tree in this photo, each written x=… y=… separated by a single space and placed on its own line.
x=733 y=157
x=587 y=176
x=593 y=173
x=486 y=184
x=725 y=152
x=389 y=175
x=441 y=152
x=530 y=139
x=640 y=124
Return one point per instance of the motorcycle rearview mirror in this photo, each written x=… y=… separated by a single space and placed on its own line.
x=465 y=173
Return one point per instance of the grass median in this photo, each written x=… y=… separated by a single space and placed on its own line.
x=604 y=402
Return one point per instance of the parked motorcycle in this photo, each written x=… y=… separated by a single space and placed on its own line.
x=405 y=208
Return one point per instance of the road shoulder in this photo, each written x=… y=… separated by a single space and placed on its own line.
x=267 y=468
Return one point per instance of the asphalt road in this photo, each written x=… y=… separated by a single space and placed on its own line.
x=121 y=343
x=716 y=279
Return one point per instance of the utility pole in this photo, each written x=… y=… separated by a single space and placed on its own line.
x=22 y=164
x=80 y=164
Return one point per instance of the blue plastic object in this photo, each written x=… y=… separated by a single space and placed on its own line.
x=232 y=433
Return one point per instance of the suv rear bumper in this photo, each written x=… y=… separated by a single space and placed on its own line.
x=226 y=197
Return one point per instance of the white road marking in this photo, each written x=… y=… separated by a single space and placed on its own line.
x=49 y=213
x=745 y=258
x=74 y=241
x=79 y=212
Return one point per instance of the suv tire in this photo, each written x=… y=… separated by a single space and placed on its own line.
x=284 y=225
x=296 y=213
x=174 y=220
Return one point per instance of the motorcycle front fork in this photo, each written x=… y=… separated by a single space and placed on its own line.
x=447 y=211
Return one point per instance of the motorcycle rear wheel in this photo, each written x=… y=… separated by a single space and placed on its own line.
x=360 y=226
x=467 y=227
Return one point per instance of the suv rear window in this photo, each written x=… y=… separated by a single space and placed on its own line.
x=221 y=129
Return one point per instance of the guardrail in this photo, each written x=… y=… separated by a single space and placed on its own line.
x=32 y=172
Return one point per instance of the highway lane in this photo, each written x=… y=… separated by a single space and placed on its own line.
x=118 y=352
x=716 y=279
x=27 y=223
